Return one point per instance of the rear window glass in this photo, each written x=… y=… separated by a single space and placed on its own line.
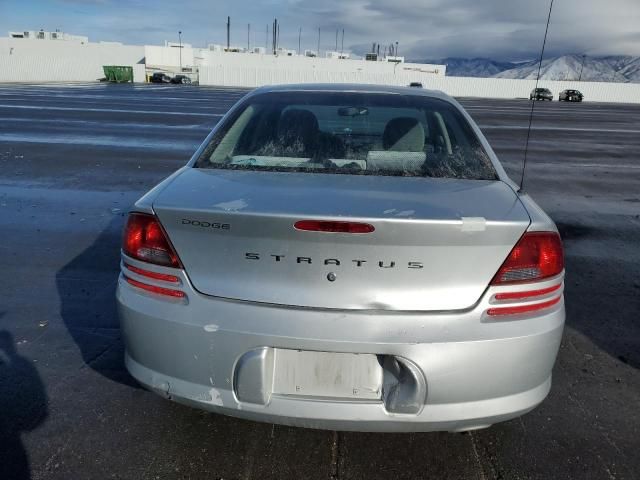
x=350 y=133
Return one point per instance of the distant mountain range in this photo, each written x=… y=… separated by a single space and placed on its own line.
x=616 y=68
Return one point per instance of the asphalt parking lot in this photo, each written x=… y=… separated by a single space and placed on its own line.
x=72 y=160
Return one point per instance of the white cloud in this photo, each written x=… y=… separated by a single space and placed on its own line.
x=501 y=29
x=510 y=29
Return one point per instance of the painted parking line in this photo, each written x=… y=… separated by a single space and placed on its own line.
x=133 y=97
x=101 y=141
x=613 y=166
x=551 y=113
x=560 y=129
x=111 y=110
x=107 y=125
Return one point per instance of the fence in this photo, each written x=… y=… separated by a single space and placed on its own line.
x=238 y=76
x=60 y=61
x=39 y=61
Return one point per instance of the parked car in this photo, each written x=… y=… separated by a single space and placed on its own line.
x=344 y=257
x=541 y=94
x=570 y=96
x=416 y=84
x=159 y=77
x=182 y=79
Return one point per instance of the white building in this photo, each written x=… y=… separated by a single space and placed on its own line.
x=37 y=56
x=58 y=56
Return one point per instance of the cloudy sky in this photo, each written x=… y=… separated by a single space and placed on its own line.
x=500 y=29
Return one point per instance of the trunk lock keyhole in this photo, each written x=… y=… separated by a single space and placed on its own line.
x=331 y=277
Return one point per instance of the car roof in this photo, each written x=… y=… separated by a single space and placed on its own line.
x=354 y=88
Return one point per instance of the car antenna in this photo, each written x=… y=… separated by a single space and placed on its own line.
x=533 y=103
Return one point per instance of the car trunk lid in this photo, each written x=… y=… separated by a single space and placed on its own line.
x=436 y=243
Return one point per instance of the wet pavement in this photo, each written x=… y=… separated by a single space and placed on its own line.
x=73 y=159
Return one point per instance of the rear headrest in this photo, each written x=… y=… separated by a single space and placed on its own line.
x=403 y=134
x=298 y=126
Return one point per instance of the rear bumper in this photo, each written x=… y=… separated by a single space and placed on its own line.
x=343 y=416
x=475 y=372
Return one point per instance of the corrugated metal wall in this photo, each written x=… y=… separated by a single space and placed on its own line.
x=237 y=76
x=37 y=61
x=59 y=61
x=204 y=57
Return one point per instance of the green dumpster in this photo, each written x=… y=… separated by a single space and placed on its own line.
x=118 y=73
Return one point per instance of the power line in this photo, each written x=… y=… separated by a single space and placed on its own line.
x=533 y=102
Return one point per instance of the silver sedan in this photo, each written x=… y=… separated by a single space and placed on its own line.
x=344 y=257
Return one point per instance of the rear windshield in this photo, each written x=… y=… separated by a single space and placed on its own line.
x=349 y=133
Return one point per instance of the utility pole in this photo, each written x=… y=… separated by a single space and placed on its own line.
x=276 y=35
x=318 y=54
x=180 y=47
x=336 y=40
x=582 y=67
x=396 y=50
x=266 y=39
x=299 y=38
x=342 y=45
x=228 y=33
x=273 y=35
x=248 y=36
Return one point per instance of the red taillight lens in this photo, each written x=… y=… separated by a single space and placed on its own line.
x=155 y=275
x=527 y=294
x=538 y=255
x=155 y=289
x=520 y=309
x=333 y=227
x=145 y=240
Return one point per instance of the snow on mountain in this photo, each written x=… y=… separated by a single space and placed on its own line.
x=631 y=69
x=569 y=67
x=614 y=68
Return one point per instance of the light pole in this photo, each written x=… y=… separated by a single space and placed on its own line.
x=180 y=44
x=396 y=50
x=582 y=67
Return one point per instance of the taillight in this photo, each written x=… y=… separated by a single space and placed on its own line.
x=537 y=256
x=145 y=240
